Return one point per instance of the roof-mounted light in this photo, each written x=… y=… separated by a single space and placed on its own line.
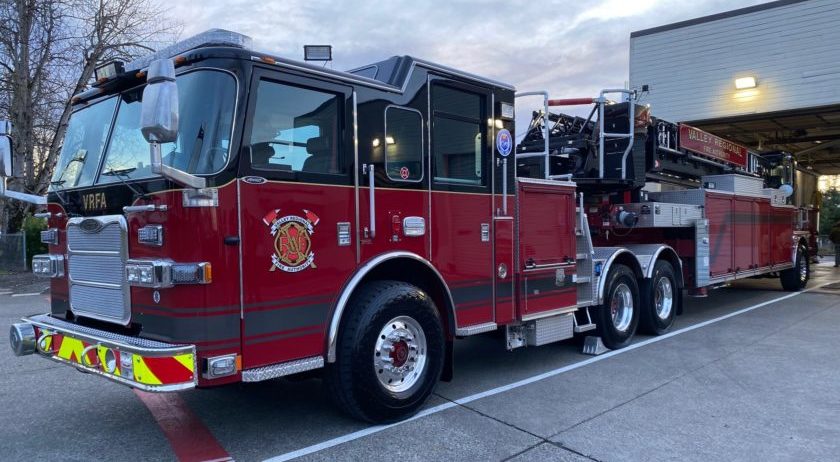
x=108 y=71
x=212 y=37
x=317 y=52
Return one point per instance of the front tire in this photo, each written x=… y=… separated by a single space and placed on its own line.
x=659 y=300
x=618 y=317
x=389 y=355
x=796 y=278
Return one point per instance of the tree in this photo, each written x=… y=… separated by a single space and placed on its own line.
x=829 y=210
x=49 y=50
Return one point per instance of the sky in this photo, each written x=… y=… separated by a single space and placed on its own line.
x=572 y=48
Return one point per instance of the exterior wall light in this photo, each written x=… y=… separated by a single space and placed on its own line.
x=745 y=82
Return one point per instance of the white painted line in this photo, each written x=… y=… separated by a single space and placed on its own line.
x=26 y=295
x=4 y=293
x=521 y=383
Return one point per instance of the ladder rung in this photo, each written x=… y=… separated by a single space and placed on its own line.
x=582 y=256
x=583 y=279
x=584 y=328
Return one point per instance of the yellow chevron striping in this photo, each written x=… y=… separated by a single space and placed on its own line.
x=186 y=361
x=142 y=373
x=70 y=345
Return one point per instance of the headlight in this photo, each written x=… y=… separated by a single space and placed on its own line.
x=156 y=274
x=48 y=266
x=160 y=274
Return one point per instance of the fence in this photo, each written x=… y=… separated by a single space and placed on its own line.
x=825 y=246
x=13 y=252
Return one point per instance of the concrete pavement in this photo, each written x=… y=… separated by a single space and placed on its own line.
x=763 y=385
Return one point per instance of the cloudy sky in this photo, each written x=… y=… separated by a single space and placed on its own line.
x=570 y=47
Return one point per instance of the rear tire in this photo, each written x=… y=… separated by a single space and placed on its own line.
x=796 y=278
x=618 y=317
x=389 y=354
x=660 y=296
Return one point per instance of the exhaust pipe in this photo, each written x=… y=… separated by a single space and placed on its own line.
x=22 y=338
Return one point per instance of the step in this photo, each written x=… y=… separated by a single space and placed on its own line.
x=584 y=328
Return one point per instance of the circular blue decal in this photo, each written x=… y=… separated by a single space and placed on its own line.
x=504 y=142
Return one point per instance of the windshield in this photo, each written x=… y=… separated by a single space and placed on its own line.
x=206 y=99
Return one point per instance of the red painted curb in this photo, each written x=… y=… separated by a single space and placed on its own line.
x=190 y=439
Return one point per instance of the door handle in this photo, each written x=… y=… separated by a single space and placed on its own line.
x=369 y=169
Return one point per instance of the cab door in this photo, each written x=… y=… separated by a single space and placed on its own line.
x=462 y=196
x=297 y=213
x=392 y=174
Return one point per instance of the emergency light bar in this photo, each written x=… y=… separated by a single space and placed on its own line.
x=212 y=37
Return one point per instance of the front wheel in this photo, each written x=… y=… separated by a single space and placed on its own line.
x=389 y=355
x=618 y=317
x=796 y=278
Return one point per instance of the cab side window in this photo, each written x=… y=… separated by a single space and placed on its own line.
x=295 y=129
x=403 y=144
x=456 y=136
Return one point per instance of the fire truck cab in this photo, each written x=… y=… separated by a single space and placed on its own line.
x=220 y=215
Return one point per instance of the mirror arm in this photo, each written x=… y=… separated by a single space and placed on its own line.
x=31 y=198
x=178 y=176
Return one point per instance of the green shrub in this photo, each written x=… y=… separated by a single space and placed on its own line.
x=32 y=228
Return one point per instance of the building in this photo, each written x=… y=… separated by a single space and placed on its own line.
x=767 y=76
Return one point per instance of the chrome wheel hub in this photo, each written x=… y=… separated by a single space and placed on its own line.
x=621 y=307
x=663 y=298
x=399 y=355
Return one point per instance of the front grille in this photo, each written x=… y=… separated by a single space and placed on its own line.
x=97 y=250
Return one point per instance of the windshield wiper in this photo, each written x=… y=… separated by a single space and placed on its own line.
x=121 y=174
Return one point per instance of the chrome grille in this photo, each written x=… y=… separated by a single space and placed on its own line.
x=97 y=250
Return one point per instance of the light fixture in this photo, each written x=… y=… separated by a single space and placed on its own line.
x=743 y=83
x=390 y=140
x=317 y=52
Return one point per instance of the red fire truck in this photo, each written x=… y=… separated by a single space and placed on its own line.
x=221 y=215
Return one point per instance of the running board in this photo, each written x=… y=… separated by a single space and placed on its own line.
x=475 y=329
x=273 y=371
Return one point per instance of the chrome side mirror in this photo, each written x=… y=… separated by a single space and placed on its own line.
x=159 y=114
x=159 y=120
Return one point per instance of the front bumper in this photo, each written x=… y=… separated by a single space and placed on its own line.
x=145 y=364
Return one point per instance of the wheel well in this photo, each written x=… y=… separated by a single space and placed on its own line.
x=671 y=257
x=409 y=268
x=622 y=257
x=420 y=275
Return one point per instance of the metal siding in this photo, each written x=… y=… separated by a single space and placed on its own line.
x=791 y=50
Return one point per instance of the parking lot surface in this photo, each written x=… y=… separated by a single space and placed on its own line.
x=749 y=373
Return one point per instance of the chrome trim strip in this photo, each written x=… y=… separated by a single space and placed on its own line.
x=554 y=312
x=273 y=371
x=357 y=170
x=351 y=285
x=239 y=255
x=605 y=270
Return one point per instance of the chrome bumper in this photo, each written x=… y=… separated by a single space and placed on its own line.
x=148 y=365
